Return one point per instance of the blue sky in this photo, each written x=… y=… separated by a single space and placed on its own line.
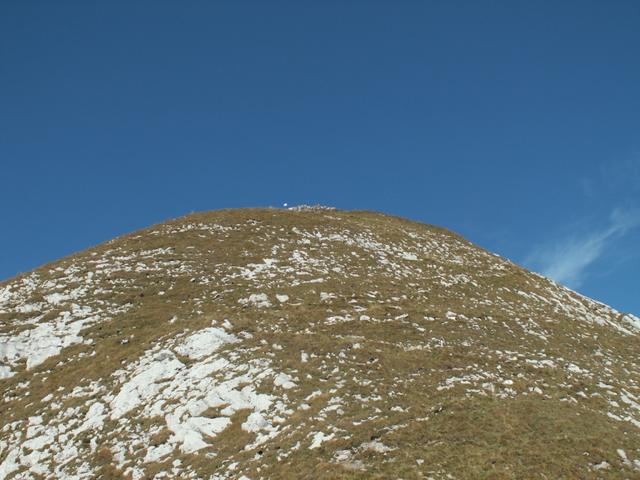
x=513 y=123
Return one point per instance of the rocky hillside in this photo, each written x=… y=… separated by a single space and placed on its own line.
x=310 y=343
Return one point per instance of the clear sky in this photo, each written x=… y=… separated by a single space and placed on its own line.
x=516 y=124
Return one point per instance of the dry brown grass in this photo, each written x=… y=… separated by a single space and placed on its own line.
x=469 y=436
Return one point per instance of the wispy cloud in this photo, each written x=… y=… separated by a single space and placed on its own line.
x=567 y=259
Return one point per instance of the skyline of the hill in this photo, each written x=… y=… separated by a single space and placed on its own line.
x=310 y=343
x=512 y=124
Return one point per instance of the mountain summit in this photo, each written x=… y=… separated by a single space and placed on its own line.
x=310 y=343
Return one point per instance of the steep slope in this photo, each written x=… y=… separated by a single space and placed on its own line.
x=310 y=343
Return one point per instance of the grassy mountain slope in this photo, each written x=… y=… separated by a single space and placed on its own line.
x=310 y=343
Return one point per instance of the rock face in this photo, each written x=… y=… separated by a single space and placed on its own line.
x=310 y=343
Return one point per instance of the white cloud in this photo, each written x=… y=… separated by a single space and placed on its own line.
x=566 y=260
